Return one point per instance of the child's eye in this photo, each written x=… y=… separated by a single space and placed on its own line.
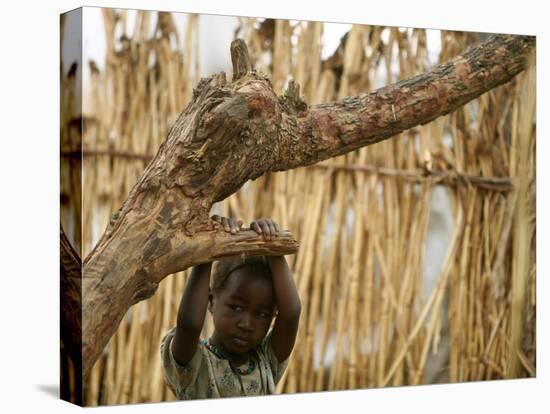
x=265 y=315
x=236 y=308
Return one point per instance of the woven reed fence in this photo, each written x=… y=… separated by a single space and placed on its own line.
x=368 y=317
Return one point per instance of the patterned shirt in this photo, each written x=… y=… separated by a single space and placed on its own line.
x=207 y=376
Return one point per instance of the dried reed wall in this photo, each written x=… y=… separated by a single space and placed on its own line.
x=362 y=219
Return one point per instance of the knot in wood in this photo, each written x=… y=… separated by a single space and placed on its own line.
x=291 y=100
x=240 y=59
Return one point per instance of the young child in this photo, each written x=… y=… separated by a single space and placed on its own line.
x=243 y=356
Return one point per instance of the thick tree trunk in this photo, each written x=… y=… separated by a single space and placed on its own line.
x=234 y=132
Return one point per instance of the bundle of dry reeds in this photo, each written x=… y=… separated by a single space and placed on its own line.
x=362 y=219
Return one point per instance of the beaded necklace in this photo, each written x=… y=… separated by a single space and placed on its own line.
x=214 y=349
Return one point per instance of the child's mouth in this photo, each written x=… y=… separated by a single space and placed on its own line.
x=241 y=341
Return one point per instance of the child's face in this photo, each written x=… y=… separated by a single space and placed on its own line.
x=242 y=311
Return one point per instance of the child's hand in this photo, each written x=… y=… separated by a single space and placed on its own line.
x=267 y=227
x=228 y=224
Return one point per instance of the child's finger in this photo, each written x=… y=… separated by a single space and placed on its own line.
x=216 y=223
x=225 y=224
x=254 y=226
x=272 y=229
x=265 y=230
x=234 y=226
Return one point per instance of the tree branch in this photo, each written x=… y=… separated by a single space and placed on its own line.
x=332 y=129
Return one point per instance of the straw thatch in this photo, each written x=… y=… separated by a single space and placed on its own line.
x=362 y=219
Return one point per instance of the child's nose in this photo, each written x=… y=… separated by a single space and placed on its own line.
x=245 y=322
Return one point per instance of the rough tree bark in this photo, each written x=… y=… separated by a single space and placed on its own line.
x=232 y=132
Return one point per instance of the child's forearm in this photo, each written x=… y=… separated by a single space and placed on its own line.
x=286 y=294
x=191 y=313
x=289 y=308
x=194 y=301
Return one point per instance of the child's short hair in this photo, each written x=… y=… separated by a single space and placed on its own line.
x=223 y=268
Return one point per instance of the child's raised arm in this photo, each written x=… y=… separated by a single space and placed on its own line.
x=288 y=302
x=191 y=313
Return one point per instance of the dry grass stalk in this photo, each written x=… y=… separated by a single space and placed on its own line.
x=522 y=226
